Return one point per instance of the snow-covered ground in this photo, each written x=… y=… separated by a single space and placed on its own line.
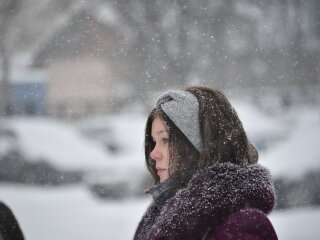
x=72 y=213
x=295 y=224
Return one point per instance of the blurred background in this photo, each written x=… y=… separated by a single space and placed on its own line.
x=78 y=78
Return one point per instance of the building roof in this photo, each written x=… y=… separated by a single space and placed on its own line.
x=84 y=34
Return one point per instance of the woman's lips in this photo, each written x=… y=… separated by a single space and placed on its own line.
x=160 y=170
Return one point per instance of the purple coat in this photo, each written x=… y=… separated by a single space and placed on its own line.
x=248 y=224
x=224 y=201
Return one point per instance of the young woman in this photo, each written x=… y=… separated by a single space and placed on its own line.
x=207 y=184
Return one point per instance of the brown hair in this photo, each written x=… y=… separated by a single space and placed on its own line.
x=223 y=138
x=180 y=149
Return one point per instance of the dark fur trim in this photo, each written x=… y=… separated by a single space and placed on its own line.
x=9 y=227
x=210 y=196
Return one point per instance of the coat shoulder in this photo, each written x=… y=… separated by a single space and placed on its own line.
x=9 y=227
x=249 y=224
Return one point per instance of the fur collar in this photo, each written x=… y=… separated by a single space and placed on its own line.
x=163 y=191
x=210 y=196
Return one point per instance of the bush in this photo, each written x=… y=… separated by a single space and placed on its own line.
x=304 y=191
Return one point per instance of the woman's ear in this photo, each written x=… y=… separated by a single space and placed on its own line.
x=252 y=153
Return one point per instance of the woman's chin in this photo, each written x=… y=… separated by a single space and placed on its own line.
x=162 y=179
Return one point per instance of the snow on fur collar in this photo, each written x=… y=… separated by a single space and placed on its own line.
x=210 y=196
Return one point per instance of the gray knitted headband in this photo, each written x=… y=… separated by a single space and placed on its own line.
x=182 y=107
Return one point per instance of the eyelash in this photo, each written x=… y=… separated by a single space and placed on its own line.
x=164 y=140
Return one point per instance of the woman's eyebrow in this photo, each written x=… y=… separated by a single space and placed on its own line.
x=158 y=133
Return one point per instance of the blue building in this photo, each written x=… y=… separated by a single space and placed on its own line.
x=28 y=93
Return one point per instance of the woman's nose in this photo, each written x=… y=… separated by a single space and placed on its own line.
x=155 y=154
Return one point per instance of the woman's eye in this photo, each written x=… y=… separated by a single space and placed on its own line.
x=165 y=140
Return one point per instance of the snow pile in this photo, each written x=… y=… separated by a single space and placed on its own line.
x=107 y=149
x=258 y=123
x=287 y=141
x=125 y=133
x=299 y=152
x=57 y=143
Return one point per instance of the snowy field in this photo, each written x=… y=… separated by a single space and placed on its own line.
x=72 y=213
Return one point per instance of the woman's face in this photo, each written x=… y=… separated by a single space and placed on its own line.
x=160 y=153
